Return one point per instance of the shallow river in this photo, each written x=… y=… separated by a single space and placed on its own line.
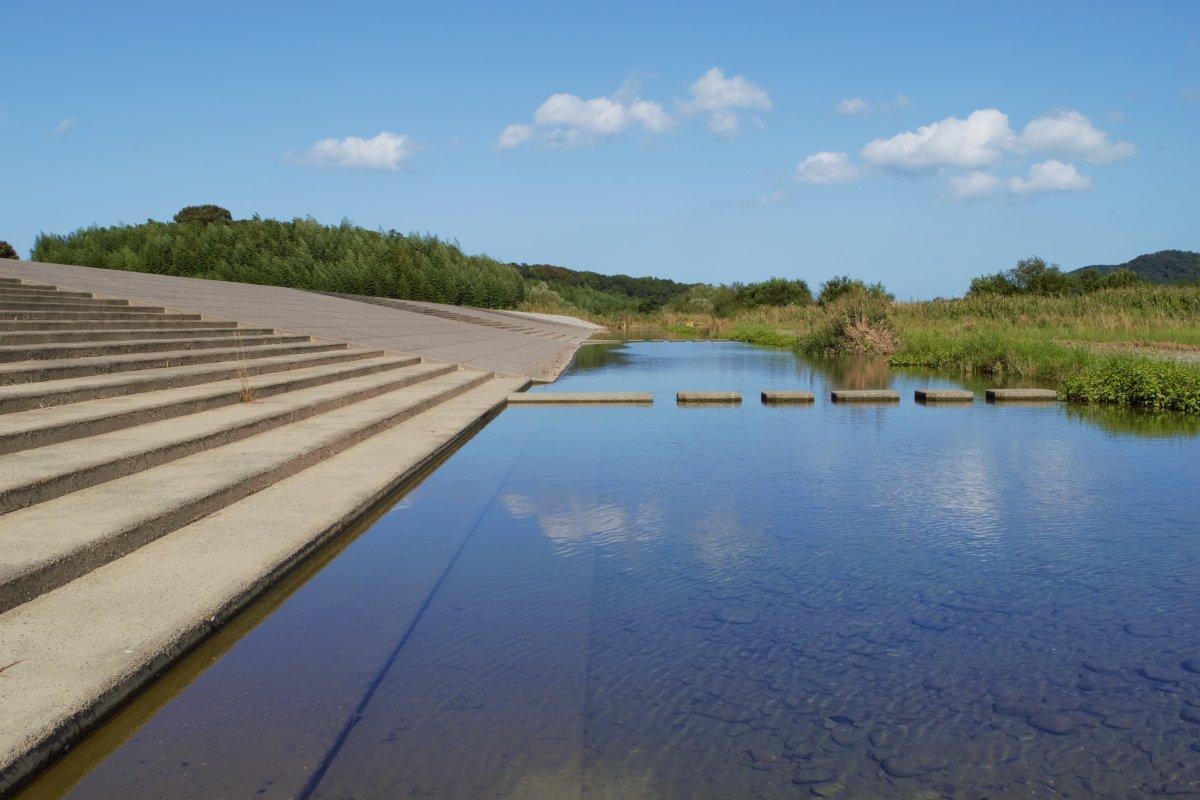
x=722 y=602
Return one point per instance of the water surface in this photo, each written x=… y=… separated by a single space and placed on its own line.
x=746 y=601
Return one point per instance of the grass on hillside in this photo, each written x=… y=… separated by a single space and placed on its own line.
x=302 y=254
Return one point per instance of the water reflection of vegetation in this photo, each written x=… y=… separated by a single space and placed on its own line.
x=1132 y=422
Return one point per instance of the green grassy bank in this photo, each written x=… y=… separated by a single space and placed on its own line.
x=300 y=253
x=1072 y=343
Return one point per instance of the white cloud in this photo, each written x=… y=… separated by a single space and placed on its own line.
x=981 y=139
x=567 y=120
x=862 y=107
x=650 y=116
x=1050 y=176
x=972 y=186
x=853 y=106
x=1071 y=134
x=722 y=99
x=824 y=168
x=1191 y=94
x=385 y=151
x=514 y=135
x=65 y=127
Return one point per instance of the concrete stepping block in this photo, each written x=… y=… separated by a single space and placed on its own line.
x=864 y=396
x=786 y=396
x=944 y=396
x=579 y=398
x=708 y=397
x=1022 y=395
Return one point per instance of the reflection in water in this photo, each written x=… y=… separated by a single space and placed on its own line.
x=734 y=602
x=570 y=519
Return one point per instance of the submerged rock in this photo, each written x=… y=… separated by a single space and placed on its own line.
x=1146 y=630
x=737 y=615
x=1158 y=675
x=1052 y=722
x=807 y=776
x=912 y=765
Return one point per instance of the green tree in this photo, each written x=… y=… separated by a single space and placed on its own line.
x=8 y=251
x=203 y=215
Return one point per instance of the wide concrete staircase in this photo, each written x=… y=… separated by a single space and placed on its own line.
x=158 y=470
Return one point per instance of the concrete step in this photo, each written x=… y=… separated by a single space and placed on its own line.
x=139 y=322
x=34 y=336
x=76 y=658
x=68 y=304
x=93 y=349
x=49 y=544
x=42 y=474
x=38 y=427
x=26 y=292
x=25 y=396
x=128 y=313
x=55 y=369
x=20 y=283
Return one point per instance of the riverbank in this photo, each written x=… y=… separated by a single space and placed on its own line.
x=1105 y=347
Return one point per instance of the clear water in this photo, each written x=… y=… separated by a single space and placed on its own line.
x=722 y=602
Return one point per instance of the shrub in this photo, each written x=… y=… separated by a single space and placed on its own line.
x=203 y=215
x=8 y=251
x=857 y=323
x=302 y=253
x=841 y=286
x=774 y=292
x=1142 y=383
x=1033 y=276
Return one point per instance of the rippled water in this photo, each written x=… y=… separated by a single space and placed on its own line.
x=722 y=602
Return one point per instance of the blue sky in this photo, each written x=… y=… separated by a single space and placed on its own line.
x=916 y=144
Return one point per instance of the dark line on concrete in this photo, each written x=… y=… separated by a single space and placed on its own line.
x=319 y=774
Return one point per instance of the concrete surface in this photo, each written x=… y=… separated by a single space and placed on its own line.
x=541 y=350
x=567 y=398
x=944 y=396
x=786 y=396
x=864 y=396
x=76 y=653
x=1022 y=395
x=159 y=470
x=708 y=397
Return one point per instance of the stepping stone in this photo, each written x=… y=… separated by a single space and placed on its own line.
x=786 y=396
x=864 y=396
x=708 y=397
x=944 y=396
x=1022 y=395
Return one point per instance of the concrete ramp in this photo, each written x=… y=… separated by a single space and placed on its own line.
x=538 y=348
x=160 y=467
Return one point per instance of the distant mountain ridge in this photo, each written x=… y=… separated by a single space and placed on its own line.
x=1165 y=266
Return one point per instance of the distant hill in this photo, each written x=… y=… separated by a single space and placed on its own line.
x=1165 y=266
x=598 y=293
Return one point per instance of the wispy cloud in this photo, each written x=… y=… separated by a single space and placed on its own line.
x=862 y=107
x=64 y=127
x=824 y=168
x=384 y=151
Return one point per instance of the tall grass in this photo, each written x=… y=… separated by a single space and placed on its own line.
x=1064 y=342
x=302 y=254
